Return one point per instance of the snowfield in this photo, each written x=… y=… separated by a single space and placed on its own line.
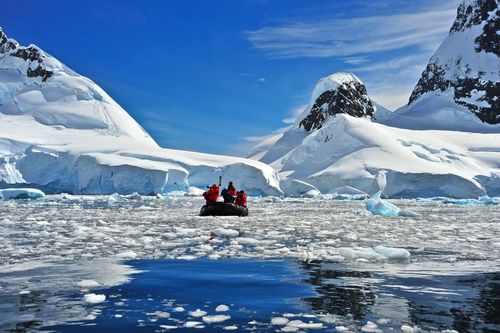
x=80 y=227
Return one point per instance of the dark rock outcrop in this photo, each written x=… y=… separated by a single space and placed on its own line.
x=472 y=88
x=350 y=98
x=31 y=54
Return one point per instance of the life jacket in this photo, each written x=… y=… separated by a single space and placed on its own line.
x=241 y=199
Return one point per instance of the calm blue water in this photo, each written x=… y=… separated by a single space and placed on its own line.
x=337 y=295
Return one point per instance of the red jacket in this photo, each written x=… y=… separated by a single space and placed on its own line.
x=241 y=199
x=232 y=191
x=212 y=194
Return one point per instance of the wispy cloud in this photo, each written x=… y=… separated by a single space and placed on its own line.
x=353 y=36
x=388 y=52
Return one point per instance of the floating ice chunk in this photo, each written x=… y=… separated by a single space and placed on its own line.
x=341 y=328
x=408 y=213
x=87 y=284
x=118 y=315
x=215 y=318
x=484 y=200
x=161 y=314
x=21 y=193
x=392 y=253
x=24 y=292
x=489 y=201
x=301 y=324
x=279 y=321
x=222 y=308
x=360 y=253
x=380 y=207
x=350 y=197
x=168 y=327
x=127 y=255
x=383 y=321
x=198 y=313
x=94 y=298
x=230 y=328
x=193 y=324
x=370 y=327
x=187 y=257
x=230 y=233
x=178 y=309
x=407 y=329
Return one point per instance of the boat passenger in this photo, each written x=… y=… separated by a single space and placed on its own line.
x=241 y=198
x=211 y=195
x=228 y=198
x=231 y=189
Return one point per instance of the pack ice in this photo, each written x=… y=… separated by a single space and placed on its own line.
x=446 y=142
x=60 y=132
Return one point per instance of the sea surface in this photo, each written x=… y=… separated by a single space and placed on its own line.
x=142 y=264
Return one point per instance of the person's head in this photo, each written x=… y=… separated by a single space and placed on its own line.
x=241 y=192
x=214 y=186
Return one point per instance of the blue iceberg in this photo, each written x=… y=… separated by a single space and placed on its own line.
x=377 y=206
x=21 y=193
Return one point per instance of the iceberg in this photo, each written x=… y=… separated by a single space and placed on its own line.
x=21 y=193
x=380 y=207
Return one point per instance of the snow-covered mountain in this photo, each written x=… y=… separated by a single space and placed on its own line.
x=60 y=132
x=446 y=141
x=351 y=148
x=464 y=72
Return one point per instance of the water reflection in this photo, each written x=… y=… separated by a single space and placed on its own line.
x=37 y=293
x=343 y=292
x=46 y=296
x=465 y=303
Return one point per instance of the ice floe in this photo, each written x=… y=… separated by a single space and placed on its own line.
x=83 y=227
x=21 y=193
x=215 y=318
x=94 y=298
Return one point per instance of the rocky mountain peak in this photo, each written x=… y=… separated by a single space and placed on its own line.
x=337 y=93
x=11 y=51
x=466 y=67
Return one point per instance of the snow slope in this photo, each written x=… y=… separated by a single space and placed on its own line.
x=60 y=132
x=350 y=151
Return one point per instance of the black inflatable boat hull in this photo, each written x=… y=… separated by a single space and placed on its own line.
x=223 y=209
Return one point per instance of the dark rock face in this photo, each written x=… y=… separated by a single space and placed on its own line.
x=29 y=54
x=469 y=15
x=470 y=85
x=351 y=99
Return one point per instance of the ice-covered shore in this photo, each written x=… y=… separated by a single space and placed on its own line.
x=77 y=227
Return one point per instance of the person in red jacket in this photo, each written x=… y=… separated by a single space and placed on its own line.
x=212 y=194
x=241 y=198
x=231 y=189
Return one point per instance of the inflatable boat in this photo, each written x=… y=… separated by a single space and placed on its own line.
x=223 y=209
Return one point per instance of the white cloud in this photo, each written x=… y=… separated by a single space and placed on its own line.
x=294 y=113
x=353 y=36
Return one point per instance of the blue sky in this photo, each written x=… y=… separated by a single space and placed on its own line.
x=215 y=76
